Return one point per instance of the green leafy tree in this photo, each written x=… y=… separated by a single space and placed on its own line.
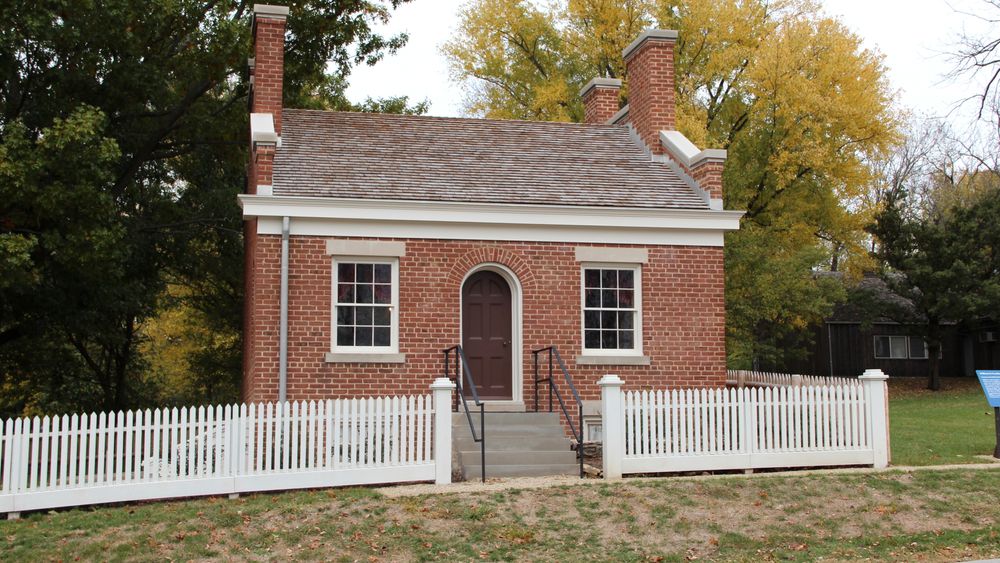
x=122 y=148
x=944 y=264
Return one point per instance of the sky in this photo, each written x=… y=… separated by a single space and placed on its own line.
x=915 y=36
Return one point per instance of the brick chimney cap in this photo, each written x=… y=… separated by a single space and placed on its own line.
x=649 y=35
x=600 y=82
x=270 y=11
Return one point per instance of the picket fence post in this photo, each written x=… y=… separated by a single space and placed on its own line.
x=442 y=389
x=877 y=394
x=613 y=423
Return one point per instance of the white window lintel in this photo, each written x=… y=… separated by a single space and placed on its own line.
x=610 y=254
x=374 y=248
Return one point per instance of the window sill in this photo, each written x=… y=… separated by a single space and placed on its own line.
x=612 y=360
x=347 y=358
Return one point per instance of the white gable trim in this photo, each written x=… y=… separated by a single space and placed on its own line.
x=262 y=129
x=683 y=149
x=330 y=217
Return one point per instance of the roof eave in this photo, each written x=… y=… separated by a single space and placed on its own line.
x=488 y=213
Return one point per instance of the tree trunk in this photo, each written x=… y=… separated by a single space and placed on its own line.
x=933 y=351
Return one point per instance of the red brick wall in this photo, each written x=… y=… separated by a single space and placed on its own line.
x=651 y=105
x=269 y=67
x=600 y=104
x=708 y=174
x=682 y=301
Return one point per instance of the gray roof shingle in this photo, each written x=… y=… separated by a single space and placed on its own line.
x=379 y=156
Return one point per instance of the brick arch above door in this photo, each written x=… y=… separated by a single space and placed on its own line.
x=492 y=255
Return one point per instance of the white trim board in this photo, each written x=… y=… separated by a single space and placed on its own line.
x=457 y=231
x=444 y=220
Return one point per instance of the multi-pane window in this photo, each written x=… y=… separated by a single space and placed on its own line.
x=611 y=309
x=365 y=297
x=900 y=348
x=890 y=347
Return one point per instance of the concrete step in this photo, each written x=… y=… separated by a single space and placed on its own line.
x=515 y=443
x=473 y=472
x=507 y=434
x=524 y=457
x=508 y=418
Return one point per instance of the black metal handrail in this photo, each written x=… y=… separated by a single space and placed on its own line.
x=462 y=367
x=554 y=389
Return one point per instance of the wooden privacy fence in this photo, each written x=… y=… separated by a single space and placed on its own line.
x=138 y=455
x=843 y=423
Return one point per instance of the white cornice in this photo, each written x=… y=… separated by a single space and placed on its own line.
x=460 y=212
x=323 y=216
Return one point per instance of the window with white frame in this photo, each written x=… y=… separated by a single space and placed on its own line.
x=366 y=296
x=612 y=309
x=890 y=347
x=900 y=348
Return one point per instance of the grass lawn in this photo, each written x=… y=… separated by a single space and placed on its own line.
x=933 y=428
x=921 y=516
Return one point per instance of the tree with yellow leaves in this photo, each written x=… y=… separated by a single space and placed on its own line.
x=793 y=96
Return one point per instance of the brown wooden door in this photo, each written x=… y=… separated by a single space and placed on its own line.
x=486 y=334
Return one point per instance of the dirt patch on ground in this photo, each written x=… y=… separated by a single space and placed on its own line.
x=834 y=515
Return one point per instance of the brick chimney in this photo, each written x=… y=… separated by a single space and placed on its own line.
x=267 y=69
x=600 y=99
x=649 y=62
x=652 y=112
x=269 y=60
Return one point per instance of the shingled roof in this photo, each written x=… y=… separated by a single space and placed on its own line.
x=379 y=156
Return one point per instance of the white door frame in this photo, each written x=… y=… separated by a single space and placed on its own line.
x=517 y=359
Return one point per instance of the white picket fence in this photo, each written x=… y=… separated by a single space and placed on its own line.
x=748 y=428
x=138 y=455
x=750 y=378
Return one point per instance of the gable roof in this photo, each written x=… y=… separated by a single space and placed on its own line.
x=399 y=157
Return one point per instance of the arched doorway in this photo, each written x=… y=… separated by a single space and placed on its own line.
x=488 y=333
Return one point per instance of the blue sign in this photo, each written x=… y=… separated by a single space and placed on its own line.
x=990 y=380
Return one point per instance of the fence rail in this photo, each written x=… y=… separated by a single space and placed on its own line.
x=748 y=428
x=749 y=378
x=137 y=455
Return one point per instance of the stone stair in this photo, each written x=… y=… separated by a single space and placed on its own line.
x=518 y=444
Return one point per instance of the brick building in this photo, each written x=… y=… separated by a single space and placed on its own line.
x=375 y=242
